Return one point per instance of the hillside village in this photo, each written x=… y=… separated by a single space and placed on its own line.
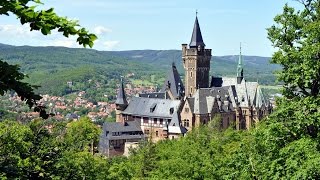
x=73 y=106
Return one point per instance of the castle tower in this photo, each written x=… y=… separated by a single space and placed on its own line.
x=240 y=68
x=196 y=62
x=121 y=102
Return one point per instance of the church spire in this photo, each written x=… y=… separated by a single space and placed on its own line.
x=121 y=96
x=240 y=68
x=196 y=39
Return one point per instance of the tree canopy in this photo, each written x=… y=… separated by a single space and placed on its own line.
x=296 y=38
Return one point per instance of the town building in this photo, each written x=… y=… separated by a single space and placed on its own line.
x=179 y=107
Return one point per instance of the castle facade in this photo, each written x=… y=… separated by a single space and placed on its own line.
x=181 y=106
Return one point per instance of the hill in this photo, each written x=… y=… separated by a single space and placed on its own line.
x=53 y=67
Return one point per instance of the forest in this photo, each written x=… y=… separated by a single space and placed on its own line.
x=52 y=67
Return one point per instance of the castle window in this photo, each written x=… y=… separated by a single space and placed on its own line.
x=186 y=123
x=186 y=110
x=146 y=131
x=145 y=120
x=190 y=74
x=157 y=133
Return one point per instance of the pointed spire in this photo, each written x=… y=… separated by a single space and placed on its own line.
x=121 y=96
x=240 y=68
x=173 y=82
x=196 y=39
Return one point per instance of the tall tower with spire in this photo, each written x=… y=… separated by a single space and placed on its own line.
x=121 y=102
x=240 y=68
x=196 y=62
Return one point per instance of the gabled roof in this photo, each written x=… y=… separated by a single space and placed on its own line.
x=173 y=80
x=127 y=130
x=129 y=126
x=175 y=125
x=196 y=39
x=248 y=93
x=121 y=96
x=140 y=106
x=205 y=98
x=191 y=103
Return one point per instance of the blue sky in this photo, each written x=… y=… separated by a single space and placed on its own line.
x=159 y=24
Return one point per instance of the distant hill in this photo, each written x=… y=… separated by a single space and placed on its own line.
x=256 y=67
x=53 y=66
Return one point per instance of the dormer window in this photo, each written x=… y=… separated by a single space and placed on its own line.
x=171 y=110
x=153 y=107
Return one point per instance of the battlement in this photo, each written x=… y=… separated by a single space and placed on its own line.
x=194 y=51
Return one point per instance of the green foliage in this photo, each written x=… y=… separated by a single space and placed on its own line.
x=45 y=150
x=82 y=134
x=83 y=165
x=297 y=40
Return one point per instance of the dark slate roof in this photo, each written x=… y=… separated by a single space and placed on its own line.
x=160 y=95
x=249 y=93
x=191 y=103
x=123 y=129
x=196 y=39
x=173 y=81
x=140 y=106
x=216 y=81
x=121 y=96
x=205 y=98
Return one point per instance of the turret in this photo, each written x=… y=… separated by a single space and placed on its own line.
x=121 y=102
x=240 y=68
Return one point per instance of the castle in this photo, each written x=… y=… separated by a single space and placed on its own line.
x=179 y=107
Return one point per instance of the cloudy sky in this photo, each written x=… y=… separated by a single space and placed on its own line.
x=158 y=24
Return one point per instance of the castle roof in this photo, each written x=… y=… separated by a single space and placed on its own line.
x=173 y=82
x=196 y=39
x=121 y=96
x=160 y=95
x=249 y=93
x=152 y=107
x=222 y=97
x=127 y=130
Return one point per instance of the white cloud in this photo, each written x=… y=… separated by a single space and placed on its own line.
x=17 y=30
x=100 y=30
x=17 y=34
x=110 y=45
x=64 y=43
